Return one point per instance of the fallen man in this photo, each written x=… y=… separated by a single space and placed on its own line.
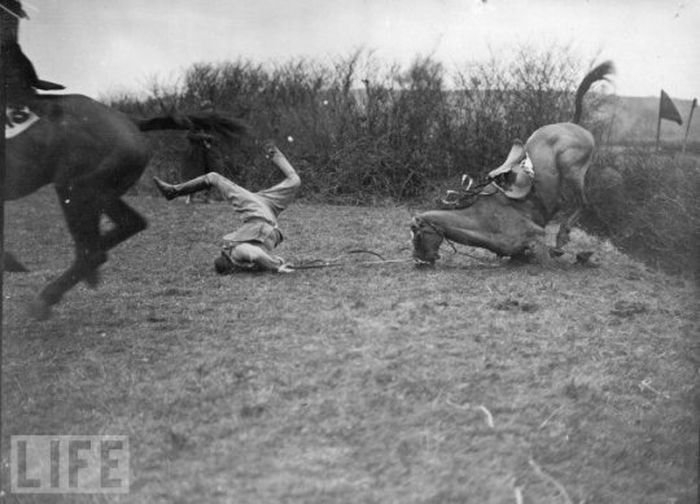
x=250 y=247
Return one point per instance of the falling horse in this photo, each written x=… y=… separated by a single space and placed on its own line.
x=511 y=223
x=92 y=154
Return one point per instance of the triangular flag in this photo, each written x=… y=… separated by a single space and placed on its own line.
x=667 y=110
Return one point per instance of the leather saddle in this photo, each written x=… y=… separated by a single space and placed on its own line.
x=515 y=176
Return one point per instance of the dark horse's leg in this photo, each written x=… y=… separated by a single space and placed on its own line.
x=83 y=201
x=91 y=248
x=127 y=223
x=83 y=219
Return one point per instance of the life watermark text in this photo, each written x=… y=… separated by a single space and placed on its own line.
x=69 y=464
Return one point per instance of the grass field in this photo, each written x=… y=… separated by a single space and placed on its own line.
x=476 y=381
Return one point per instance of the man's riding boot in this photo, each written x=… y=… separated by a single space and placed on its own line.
x=191 y=186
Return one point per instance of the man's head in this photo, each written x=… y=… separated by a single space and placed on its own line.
x=223 y=265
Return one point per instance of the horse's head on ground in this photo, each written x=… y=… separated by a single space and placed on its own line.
x=426 y=238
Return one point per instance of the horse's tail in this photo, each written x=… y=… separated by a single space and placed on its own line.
x=208 y=121
x=601 y=72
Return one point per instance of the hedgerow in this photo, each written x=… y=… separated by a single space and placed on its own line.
x=360 y=130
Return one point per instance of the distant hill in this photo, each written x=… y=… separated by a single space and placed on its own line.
x=635 y=120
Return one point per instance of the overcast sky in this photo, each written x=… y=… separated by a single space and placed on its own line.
x=98 y=47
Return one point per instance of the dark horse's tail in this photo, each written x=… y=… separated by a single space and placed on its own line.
x=601 y=72
x=207 y=121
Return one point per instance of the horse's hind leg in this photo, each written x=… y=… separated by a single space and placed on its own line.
x=563 y=238
x=82 y=218
x=91 y=248
x=127 y=223
x=565 y=228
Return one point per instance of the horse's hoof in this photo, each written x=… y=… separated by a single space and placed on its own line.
x=584 y=258
x=556 y=252
x=519 y=259
x=39 y=309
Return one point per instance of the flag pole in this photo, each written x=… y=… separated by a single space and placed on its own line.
x=687 y=127
x=658 y=123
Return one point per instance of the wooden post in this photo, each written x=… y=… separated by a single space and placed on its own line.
x=687 y=127
x=658 y=127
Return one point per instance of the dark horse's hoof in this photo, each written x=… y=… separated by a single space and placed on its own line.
x=39 y=309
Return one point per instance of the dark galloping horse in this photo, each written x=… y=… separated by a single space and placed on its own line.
x=92 y=154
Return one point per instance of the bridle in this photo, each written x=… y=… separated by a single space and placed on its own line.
x=473 y=191
x=437 y=230
x=441 y=233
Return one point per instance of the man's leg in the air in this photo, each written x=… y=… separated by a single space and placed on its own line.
x=212 y=179
x=281 y=195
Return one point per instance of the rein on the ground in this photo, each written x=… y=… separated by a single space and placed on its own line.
x=337 y=261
